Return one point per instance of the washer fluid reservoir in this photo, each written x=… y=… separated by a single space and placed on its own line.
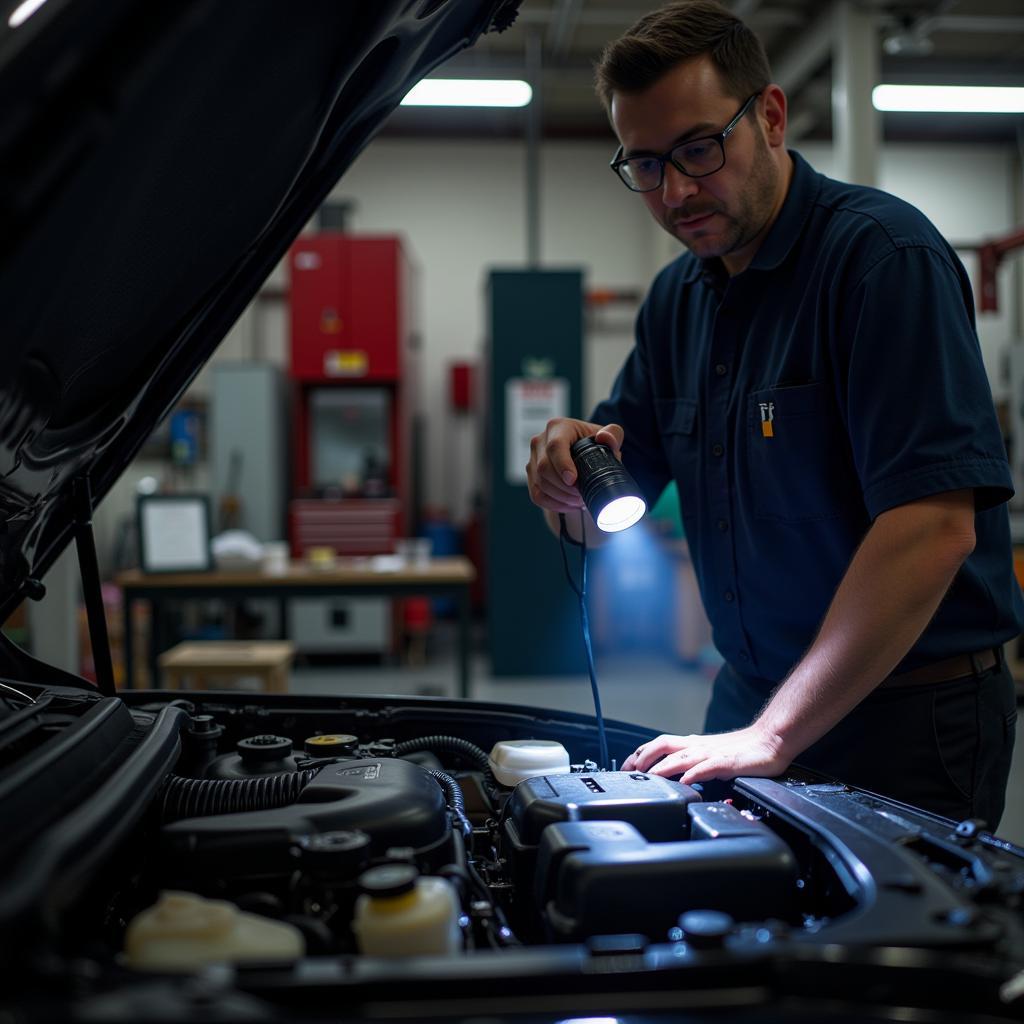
x=401 y=913
x=512 y=761
x=183 y=932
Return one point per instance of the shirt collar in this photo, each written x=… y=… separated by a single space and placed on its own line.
x=796 y=207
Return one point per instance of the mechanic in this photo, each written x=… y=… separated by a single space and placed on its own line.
x=808 y=372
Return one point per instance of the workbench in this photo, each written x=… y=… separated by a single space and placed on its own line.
x=447 y=577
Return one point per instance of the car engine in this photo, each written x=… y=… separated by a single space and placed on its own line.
x=396 y=851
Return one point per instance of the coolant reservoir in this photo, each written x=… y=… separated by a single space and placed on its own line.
x=183 y=932
x=401 y=913
x=512 y=761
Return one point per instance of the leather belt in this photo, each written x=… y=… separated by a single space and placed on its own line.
x=947 y=670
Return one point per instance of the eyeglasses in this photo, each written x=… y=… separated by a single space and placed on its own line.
x=695 y=158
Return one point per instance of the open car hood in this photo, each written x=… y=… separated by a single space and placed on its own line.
x=156 y=160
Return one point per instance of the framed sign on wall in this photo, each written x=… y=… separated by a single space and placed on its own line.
x=174 y=533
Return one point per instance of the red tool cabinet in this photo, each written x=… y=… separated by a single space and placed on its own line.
x=352 y=364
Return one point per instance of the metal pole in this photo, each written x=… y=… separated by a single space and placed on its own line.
x=1018 y=218
x=533 y=134
x=92 y=589
x=856 y=125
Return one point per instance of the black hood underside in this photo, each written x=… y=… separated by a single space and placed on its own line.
x=156 y=160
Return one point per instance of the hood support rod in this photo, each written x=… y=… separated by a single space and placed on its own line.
x=92 y=588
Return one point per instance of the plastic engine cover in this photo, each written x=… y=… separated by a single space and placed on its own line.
x=655 y=806
x=604 y=877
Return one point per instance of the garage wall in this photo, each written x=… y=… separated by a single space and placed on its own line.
x=463 y=210
x=461 y=207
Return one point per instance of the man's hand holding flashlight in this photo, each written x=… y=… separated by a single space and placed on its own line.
x=551 y=472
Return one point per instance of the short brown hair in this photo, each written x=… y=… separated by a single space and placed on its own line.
x=676 y=33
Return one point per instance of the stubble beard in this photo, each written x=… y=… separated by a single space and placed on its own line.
x=753 y=209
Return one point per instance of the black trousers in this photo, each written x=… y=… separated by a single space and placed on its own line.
x=945 y=747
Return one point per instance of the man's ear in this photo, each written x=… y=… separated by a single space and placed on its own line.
x=773 y=105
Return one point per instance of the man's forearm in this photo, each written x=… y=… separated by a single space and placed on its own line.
x=889 y=594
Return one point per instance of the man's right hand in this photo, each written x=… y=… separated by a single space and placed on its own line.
x=551 y=472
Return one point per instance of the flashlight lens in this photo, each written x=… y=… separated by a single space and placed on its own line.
x=608 y=491
x=621 y=513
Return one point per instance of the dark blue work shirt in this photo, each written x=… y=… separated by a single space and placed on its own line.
x=838 y=376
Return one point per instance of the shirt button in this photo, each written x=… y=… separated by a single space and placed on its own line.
x=721 y=370
x=717 y=449
x=722 y=525
x=729 y=596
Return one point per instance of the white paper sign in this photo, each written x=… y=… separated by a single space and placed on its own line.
x=529 y=404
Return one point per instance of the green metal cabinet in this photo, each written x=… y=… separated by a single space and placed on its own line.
x=533 y=367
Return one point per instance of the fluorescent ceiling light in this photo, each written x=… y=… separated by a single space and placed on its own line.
x=468 y=92
x=950 y=99
x=23 y=12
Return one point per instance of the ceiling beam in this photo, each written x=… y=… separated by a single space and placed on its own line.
x=806 y=57
x=621 y=18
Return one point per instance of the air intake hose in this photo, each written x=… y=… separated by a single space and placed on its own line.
x=198 y=798
x=449 y=744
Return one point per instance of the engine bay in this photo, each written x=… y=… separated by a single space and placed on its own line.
x=296 y=851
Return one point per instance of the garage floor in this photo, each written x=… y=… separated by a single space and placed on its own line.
x=645 y=690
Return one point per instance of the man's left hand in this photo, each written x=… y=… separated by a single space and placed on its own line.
x=749 y=751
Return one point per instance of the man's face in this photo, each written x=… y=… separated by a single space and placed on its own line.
x=726 y=213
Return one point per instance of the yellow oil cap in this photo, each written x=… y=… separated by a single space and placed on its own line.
x=331 y=745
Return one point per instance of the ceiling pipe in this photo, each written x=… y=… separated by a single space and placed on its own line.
x=563 y=27
x=995 y=24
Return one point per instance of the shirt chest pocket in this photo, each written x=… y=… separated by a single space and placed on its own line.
x=797 y=450
x=677 y=423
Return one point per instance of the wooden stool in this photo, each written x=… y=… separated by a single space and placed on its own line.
x=207 y=661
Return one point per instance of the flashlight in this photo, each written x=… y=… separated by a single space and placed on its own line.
x=609 y=492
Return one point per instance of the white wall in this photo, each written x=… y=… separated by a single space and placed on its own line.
x=461 y=207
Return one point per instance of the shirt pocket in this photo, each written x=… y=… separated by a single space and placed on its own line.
x=677 y=423
x=676 y=415
x=796 y=447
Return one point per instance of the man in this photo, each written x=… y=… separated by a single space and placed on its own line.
x=809 y=373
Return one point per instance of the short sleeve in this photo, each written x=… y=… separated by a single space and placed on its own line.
x=918 y=406
x=631 y=405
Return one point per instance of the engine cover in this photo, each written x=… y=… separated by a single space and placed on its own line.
x=600 y=877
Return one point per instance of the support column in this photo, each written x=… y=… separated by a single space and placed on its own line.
x=534 y=70
x=856 y=125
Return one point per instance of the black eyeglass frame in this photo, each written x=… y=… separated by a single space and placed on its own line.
x=618 y=160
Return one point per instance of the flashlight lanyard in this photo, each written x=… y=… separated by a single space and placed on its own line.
x=581 y=592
